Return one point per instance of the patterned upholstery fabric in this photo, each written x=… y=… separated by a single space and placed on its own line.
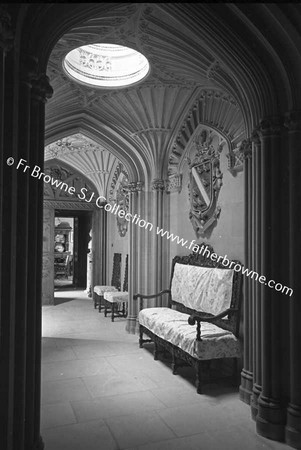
x=100 y=290
x=172 y=326
x=116 y=297
x=203 y=289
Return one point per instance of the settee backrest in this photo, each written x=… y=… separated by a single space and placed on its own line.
x=200 y=285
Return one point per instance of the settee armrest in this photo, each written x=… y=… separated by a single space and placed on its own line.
x=195 y=318
x=143 y=297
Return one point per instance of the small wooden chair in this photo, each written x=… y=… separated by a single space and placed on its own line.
x=117 y=302
x=98 y=291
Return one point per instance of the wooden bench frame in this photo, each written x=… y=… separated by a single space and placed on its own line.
x=231 y=323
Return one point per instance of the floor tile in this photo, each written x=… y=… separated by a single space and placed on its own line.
x=64 y=390
x=57 y=414
x=76 y=368
x=88 y=436
x=58 y=354
x=138 y=429
x=117 y=405
x=105 y=385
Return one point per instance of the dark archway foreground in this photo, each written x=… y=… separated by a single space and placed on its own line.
x=249 y=51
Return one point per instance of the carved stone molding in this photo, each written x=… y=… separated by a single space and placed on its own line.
x=174 y=183
x=237 y=156
x=135 y=186
x=41 y=88
x=205 y=182
x=158 y=185
x=118 y=171
x=122 y=202
x=272 y=126
x=293 y=120
x=61 y=204
x=29 y=69
x=6 y=31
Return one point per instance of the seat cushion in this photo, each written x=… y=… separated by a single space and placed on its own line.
x=116 y=297
x=172 y=326
x=100 y=290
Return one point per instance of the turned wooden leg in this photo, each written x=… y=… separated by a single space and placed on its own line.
x=123 y=309
x=95 y=301
x=156 y=352
x=100 y=303
x=173 y=363
x=112 y=311
x=106 y=308
x=198 y=380
x=140 y=337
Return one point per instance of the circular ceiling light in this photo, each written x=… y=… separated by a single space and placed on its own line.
x=106 y=65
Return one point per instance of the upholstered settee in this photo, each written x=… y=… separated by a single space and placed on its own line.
x=201 y=320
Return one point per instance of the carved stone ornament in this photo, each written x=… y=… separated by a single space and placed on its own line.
x=174 y=183
x=205 y=183
x=6 y=32
x=237 y=156
x=122 y=201
x=158 y=185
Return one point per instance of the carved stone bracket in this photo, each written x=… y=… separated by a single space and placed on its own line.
x=237 y=156
x=158 y=185
x=29 y=69
x=272 y=126
x=135 y=186
x=174 y=183
x=293 y=120
x=6 y=31
x=41 y=88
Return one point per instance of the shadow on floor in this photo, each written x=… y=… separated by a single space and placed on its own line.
x=60 y=300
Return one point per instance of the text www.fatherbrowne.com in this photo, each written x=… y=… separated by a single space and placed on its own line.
x=135 y=219
x=203 y=250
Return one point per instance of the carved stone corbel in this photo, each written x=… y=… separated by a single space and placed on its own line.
x=6 y=31
x=174 y=183
x=41 y=88
x=158 y=184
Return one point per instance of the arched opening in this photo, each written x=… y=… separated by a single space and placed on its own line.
x=217 y=68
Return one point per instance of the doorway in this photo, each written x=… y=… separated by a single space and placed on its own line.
x=72 y=236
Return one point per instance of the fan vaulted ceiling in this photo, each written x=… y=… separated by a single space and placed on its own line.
x=146 y=119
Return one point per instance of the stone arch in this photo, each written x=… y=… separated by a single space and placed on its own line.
x=135 y=164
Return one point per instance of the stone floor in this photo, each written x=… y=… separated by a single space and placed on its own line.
x=101 y=392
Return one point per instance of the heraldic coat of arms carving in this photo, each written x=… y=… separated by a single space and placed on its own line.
x=205 y=181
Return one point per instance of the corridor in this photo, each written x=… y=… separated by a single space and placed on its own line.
x=101 y=392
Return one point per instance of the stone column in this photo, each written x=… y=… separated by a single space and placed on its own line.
x=7 y=245
x=89 y=267
x=270 y=417
x=293 y=426
x=48 y=256
x=245 y=389
x=257 y=267
x=158 y=187
x=99 y=247
x=134 y=253
x=40 y=92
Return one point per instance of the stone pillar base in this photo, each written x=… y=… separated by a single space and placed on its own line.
x=270 y=419
x=245 y=389
x=131 y=325
x=293 y=426
x=254 y=400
